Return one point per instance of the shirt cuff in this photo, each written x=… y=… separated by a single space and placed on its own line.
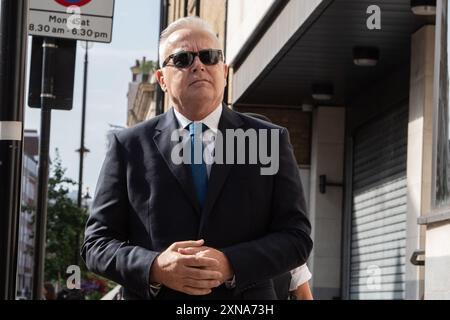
x=300 y=275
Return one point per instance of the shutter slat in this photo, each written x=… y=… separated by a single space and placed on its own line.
x=378 y=230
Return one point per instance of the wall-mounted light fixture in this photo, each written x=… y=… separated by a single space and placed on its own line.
x=366 y=56
x=423 y=7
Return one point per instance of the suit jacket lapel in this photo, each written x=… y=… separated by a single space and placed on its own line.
x=219 y=172
x=182 y=173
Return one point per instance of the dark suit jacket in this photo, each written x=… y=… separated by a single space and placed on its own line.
x=144 y=203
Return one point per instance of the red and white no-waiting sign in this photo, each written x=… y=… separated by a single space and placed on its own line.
x=68 y=3
x=89 y=20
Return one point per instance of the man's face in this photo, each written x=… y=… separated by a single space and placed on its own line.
x=198 y=87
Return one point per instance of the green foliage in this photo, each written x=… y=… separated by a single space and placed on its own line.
x=65 y=233
x=65 y=226
x=148 y=67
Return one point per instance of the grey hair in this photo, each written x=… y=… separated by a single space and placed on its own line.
x=195 y=23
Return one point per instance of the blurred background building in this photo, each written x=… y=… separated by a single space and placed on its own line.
x=26 y=222
x=141 y=92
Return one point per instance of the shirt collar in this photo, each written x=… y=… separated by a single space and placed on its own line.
x=211 y=120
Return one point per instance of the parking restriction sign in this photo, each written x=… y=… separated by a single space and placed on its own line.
x=69 y=3
x=88 y=20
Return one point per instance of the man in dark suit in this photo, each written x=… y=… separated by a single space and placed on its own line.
x=195 y=230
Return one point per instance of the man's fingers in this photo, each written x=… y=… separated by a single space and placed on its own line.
x=201 y=284
x=191 y=250
x=198 y=261
x=195 y=291
x=202 y=274
x=185 y=244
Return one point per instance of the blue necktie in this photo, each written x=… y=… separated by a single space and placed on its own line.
x=198 y=165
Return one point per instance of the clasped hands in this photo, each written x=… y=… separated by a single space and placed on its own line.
x=191 y=267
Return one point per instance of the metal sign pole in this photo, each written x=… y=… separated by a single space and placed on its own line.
x=82 y=149
x=47 y=97
x=12 y=84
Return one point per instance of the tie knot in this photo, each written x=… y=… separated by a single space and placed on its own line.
x=197 y=127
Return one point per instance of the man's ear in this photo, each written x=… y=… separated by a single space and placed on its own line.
x=161 y=80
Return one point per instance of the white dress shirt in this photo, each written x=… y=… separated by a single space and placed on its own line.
x=300 y=275
x=209 y=136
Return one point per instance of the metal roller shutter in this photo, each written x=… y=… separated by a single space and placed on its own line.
x=378 y=230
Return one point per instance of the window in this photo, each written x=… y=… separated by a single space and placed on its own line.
x=442 y=116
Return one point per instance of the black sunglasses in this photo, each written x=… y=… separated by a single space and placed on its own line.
x=184 y=59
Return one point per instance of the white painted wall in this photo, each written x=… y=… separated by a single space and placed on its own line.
x=437 y=263
x=327 y=157
x=420 y=141
x=293 y=16
x=243 y=18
